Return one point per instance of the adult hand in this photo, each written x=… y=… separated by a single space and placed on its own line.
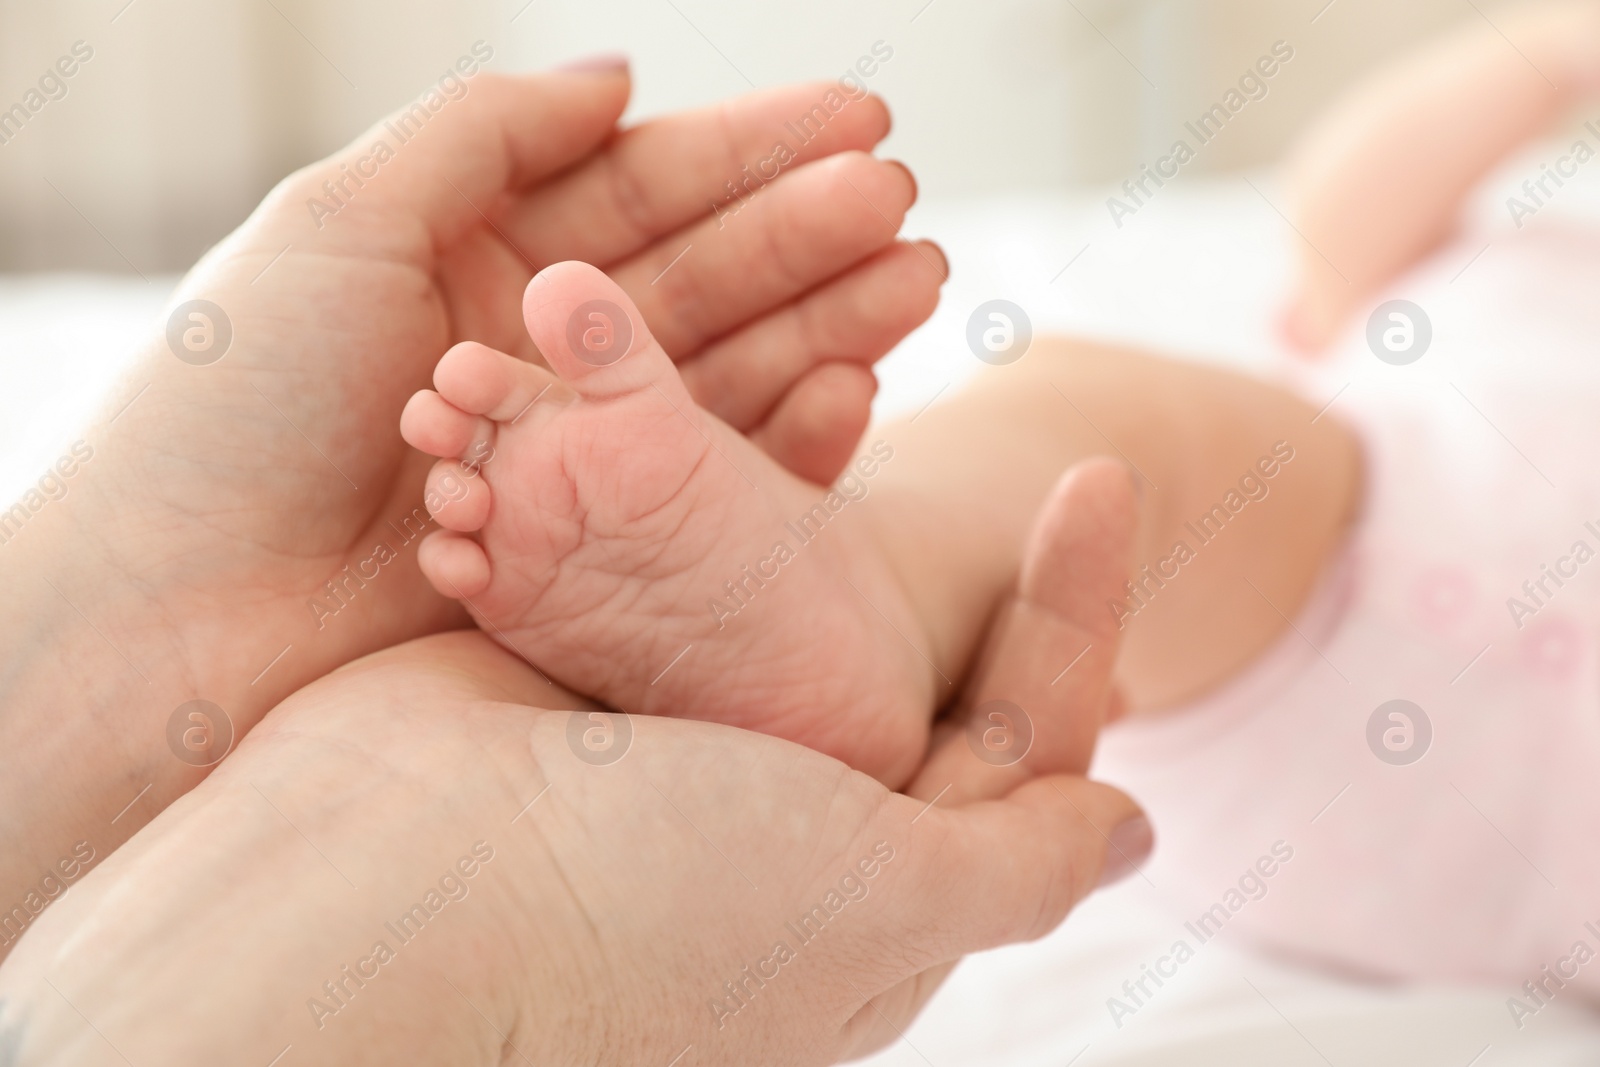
x=1041 y=688
x=245 y=526
x=407 y=860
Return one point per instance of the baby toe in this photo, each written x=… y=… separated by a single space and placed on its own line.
x=483 y=381
x=456 y=566
x=594 y=337
x=456 y=498
x=433 y=425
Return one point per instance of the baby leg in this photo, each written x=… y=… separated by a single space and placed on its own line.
x=1246 y=495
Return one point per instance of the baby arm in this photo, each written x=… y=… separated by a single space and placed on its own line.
x=953 y=506
x=1380 y=180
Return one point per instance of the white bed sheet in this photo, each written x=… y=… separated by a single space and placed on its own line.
x=1199 y=271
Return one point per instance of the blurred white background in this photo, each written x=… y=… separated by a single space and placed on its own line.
x=190 y=110
x=1018 y=117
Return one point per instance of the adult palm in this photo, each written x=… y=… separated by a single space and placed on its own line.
x=234 y=488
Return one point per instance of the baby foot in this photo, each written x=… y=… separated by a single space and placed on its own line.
x=642 y=552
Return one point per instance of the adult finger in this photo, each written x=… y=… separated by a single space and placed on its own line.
x=999 y=871
x=1043 y=682
x=811 y=225
x=661 y=175
x=811 y=272
x=857 y=318
x=819 y=422
x=985 y=875
x=447 y=160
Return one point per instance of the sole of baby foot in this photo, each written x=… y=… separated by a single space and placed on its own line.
x=640 y=551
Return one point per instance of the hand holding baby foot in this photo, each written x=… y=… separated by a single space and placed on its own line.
x=638 y=549
x=602 y=893
x=195 y=554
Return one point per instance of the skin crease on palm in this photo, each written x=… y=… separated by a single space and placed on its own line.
x=617 y=902
x=225 y=497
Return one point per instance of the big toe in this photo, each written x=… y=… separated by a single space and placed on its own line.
x=593 y=336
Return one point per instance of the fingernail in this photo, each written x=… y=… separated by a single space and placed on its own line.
x=1127 y=847
x=909 y=176
x=606 y=63
x=944 y=260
